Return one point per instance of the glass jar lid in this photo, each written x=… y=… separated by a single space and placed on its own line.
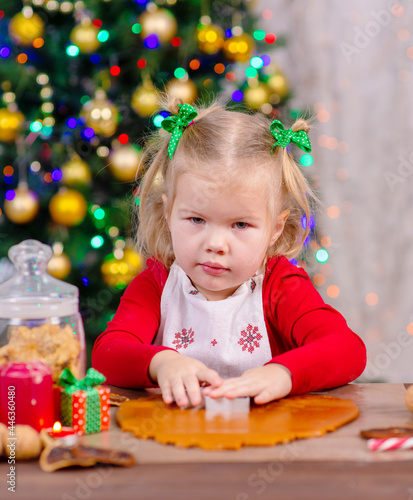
x=32 y=293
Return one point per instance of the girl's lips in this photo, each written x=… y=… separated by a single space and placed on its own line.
x=211 y=268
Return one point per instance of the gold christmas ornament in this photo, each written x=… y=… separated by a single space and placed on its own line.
x=23 y=30
x=278 y=84
x=68 y=207
x=159 y=22
x=145 y=100
x=124 y=163
x=101 y=114
x=59 y=266
x=182 y=89
x=210 y=38
x=75 y=172
x=11 y=121
x=256 y=95
x=84 y=36
x=118 y=273
x=23 y=207
x=239 y=48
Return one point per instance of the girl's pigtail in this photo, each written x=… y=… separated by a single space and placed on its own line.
x=299 y=196
x=151 y=212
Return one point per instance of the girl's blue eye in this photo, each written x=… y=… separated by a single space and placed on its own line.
x=196 y=220
x=241 y=225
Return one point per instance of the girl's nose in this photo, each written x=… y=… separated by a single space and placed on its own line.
x=217 y=241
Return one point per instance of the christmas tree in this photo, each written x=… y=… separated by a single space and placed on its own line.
x=80 y=82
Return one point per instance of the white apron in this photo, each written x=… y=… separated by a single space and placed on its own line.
x=229 y=336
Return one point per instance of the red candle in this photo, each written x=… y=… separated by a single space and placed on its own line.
x=26 y=394
x=66 y=435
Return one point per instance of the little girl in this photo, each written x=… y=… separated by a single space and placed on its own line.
x=219 y=308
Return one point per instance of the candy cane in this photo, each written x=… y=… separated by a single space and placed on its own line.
x=394 y=443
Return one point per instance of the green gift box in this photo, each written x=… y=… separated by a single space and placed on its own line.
x=84 y=403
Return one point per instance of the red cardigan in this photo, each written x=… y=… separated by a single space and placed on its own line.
x=306 y=335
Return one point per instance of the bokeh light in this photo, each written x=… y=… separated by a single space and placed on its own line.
x=372 y=299
x=321 y=255
x=333 y=291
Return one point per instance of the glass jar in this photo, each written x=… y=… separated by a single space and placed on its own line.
x=39 y=314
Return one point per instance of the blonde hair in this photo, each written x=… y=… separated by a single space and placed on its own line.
x=237 y=146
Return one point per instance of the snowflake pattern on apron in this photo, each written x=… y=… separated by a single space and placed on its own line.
x=229 y=336
x=250 y=338
x=183 y=338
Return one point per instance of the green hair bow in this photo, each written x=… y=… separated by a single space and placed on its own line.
x=284 y=137
x=177 y=124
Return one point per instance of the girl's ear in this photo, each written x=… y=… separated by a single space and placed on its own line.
x=279 y=226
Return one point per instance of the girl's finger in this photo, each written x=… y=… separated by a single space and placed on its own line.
x=166 y=393
x=179 y=392
x=210 y=376
x=265 y=396
x=193 y=390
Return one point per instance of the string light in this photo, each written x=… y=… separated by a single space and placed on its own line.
x=372 y=299
x=72 y=50
x=321 y=255
x=259 y=35
x=99 y=214
x=237 y=96
x=270 y=38
x=256 y=62
x=136 y=28
x=319 y=279
x=38 y=42
x=219 y=68
x=114 y=71
x=57 y=174
x=103 y=36
x=97 y=241
x=180 y=73
x=8 y=170
x=113 y=231
x=333 y=212
x=194 y=64
x=35 y=166
x=4 y=52
x=266 y=59
x=36 y=126
x=306 y=160
x=10 y=194
x=323 y=116
x=251 y=72
x=22 y=58
x=158 y=119
x=151 y=41
x=333 y=291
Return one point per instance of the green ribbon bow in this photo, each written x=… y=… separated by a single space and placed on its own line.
x=284 y=137
x=71 y=384
x=177 y=124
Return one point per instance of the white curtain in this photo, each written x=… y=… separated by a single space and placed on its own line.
x=354 y=60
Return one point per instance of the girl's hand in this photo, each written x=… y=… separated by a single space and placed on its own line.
x=264 y=384
x=179 y=377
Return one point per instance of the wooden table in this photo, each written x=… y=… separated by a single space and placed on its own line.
x=334 y=467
